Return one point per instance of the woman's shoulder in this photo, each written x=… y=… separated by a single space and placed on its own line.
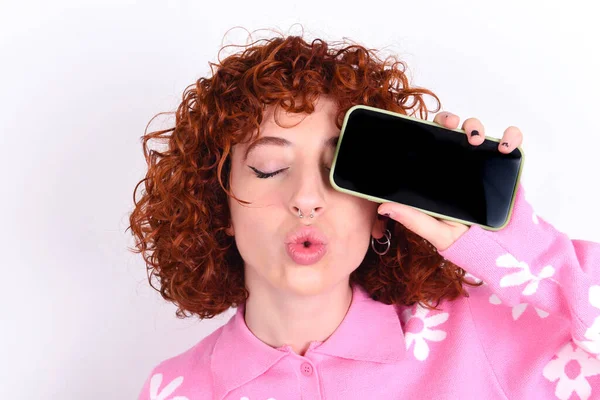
x=196 y=357
x=185 y=374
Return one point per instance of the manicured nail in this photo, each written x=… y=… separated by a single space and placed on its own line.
x=474 y=132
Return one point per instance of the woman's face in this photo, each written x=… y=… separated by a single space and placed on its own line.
x=281 y=251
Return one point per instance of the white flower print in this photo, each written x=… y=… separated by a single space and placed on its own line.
x=571 y=367
x=417 y=329
x=518 y=278
x=594 y=296
x=519 y=309
x=155 y=383
x=592 y=334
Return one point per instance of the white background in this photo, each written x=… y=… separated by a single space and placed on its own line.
x=79 y=82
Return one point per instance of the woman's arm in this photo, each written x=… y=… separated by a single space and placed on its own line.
x=531 y=262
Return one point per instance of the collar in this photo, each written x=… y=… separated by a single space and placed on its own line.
x=370 y=331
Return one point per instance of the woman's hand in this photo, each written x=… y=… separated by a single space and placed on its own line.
x=441 y=233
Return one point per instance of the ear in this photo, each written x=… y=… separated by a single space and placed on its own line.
x=379 y=226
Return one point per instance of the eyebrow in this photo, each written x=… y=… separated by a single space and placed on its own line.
x=278 y=141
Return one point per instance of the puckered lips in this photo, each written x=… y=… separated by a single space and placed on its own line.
x=306 y=245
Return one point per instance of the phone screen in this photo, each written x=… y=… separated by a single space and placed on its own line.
x=394 y=158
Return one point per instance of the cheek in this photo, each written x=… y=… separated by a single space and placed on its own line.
x=353 y=226
x=260 y=192
x=252 y=222
x=256 y=223
x=253 y=230
x=356 y=219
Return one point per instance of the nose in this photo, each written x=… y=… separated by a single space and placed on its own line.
x=308 y=196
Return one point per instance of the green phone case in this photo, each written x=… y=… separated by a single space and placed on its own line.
x=433 y=214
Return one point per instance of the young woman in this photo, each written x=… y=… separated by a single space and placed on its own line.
x=338 y=297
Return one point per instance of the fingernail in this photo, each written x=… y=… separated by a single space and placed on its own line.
x=384 y=215
x=474 y=132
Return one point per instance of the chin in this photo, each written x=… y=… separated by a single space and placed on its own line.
x=310 y=283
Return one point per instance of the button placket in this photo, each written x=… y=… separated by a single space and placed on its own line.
x=306 y=369
x=308 y=379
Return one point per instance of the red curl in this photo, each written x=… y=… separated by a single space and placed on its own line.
x=180 y=221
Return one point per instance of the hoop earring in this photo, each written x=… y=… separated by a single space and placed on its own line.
x=387 y=242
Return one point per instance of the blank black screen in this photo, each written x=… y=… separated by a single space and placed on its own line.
x=425 y=166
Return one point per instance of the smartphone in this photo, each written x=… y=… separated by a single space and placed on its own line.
x=385 y=156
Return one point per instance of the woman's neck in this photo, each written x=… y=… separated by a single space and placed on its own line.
x=278 y=318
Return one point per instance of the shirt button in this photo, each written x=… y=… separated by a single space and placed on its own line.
x=306 y=369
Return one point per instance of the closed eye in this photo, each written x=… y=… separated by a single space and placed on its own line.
x=265 y=175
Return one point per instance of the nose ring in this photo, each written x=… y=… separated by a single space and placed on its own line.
x=312 y=213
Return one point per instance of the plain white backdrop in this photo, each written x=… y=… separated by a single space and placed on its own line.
x=79 y=81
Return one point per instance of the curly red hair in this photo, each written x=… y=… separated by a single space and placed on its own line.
x=180 y=221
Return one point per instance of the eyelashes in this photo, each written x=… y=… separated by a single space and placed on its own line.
x=265 y=175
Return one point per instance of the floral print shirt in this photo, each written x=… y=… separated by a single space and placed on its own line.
x=531 y=331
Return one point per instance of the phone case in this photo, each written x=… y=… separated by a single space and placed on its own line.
x=431 y=213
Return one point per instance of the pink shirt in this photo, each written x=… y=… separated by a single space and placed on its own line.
x=531 y=332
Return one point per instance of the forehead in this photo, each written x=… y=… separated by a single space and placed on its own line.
x=316 y=130
x=294 y=130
